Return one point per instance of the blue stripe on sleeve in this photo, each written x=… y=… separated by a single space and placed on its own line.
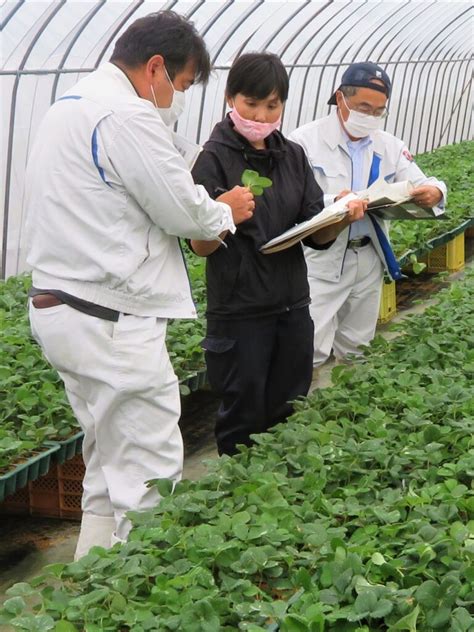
x=72 y=96
x=95 y=156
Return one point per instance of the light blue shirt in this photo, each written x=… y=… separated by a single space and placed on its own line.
x=357 y=149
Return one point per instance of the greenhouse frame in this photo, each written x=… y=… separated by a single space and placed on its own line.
x=424 y=46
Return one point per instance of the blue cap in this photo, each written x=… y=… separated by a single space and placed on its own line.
x=362 y=75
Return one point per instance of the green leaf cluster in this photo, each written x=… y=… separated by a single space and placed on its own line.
x=255 y=182
x=454 y=165
x=33 y=405
x=356 y=515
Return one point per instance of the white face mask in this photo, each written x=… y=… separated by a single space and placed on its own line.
x=360 y=125
x=171 y=114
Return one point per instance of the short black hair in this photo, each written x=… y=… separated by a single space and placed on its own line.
x=258 y=75
x=168 y=34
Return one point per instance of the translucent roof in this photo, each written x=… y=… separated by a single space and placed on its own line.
x=424 y=46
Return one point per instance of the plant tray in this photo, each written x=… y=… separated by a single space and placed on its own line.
x=447 y=257
x=466 y=227
x=69 y=448
x=388 y=302
x=57 y=494
x=32 y=469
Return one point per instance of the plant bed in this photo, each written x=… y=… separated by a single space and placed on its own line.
x=355 y=515
x=31 y=469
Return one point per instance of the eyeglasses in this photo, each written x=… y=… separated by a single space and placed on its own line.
x=378 y=113
x=364 y=109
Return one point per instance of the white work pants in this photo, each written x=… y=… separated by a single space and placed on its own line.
x=345 y=312
x=125 y=395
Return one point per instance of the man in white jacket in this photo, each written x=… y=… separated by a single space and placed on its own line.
x=107 y=196
x=348 y=150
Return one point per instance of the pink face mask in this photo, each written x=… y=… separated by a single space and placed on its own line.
x=253 y=131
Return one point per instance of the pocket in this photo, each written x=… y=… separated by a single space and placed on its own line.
x=220 y=362
x=217 y=345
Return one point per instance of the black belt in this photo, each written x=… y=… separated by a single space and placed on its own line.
x=358 y=243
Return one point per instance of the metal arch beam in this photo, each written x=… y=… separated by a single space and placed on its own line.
x=333 y=85
x=427 y=45
x=448 y=124
x=9 y=16
x=204 y=31
x=135 y=6
x=228 y=35
x=269 y=40
x=459 y=109
x=324 y=64
x=446 y=62
x=444 y=67
x=80 y=28
x=215 y=17
x=286 y=46
x=444 y=104
x=372 y=34
x=455 y=107
x=302 y=49
x=401 y=8
x=307 y=22
x=399 y=60
x=193 y=9
x=467 y=110
x=35 y=38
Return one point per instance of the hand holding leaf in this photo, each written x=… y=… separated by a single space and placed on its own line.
x=255 y=182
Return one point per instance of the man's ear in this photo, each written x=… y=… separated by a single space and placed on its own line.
x=154 y=64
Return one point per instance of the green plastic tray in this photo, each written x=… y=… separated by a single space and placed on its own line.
x=30 y=470
x=68 y=448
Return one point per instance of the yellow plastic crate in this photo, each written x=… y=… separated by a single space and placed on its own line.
x=447 y=258
x=388 y=302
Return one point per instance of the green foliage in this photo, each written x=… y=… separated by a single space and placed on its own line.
x=33 y=405
x=454 y=165
x=357 y=515
x=255 y=182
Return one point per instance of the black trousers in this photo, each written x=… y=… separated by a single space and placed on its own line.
x=257 y=366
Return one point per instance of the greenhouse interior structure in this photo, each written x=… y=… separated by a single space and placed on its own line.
x=351 y=508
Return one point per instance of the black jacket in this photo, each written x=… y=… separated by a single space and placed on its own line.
x=242 y=282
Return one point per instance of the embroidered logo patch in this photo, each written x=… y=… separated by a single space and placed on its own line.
x=407 y=155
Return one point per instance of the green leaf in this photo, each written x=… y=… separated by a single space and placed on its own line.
x=428 y=594
x=408 y=622
x=249 y=177
x=15 y=605
x=378 y=559
x=64 y=626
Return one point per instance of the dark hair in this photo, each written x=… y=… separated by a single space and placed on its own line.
x=258 y=75
x=168 y=34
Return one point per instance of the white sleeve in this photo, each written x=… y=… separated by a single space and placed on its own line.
x=407 y=169
x=154 y=173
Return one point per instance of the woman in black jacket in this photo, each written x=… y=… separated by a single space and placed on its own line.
x=259 y=342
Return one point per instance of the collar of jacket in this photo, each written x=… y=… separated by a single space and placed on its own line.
x=224 y=134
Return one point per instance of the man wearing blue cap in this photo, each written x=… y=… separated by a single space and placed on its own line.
x=348 y=150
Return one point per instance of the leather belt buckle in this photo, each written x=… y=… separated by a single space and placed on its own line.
x=42 y=301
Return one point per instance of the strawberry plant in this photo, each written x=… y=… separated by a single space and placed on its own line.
x=357 y=515
x=453 y=165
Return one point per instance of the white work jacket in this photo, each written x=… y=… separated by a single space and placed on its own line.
x=107 y=195
x=324 y=142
